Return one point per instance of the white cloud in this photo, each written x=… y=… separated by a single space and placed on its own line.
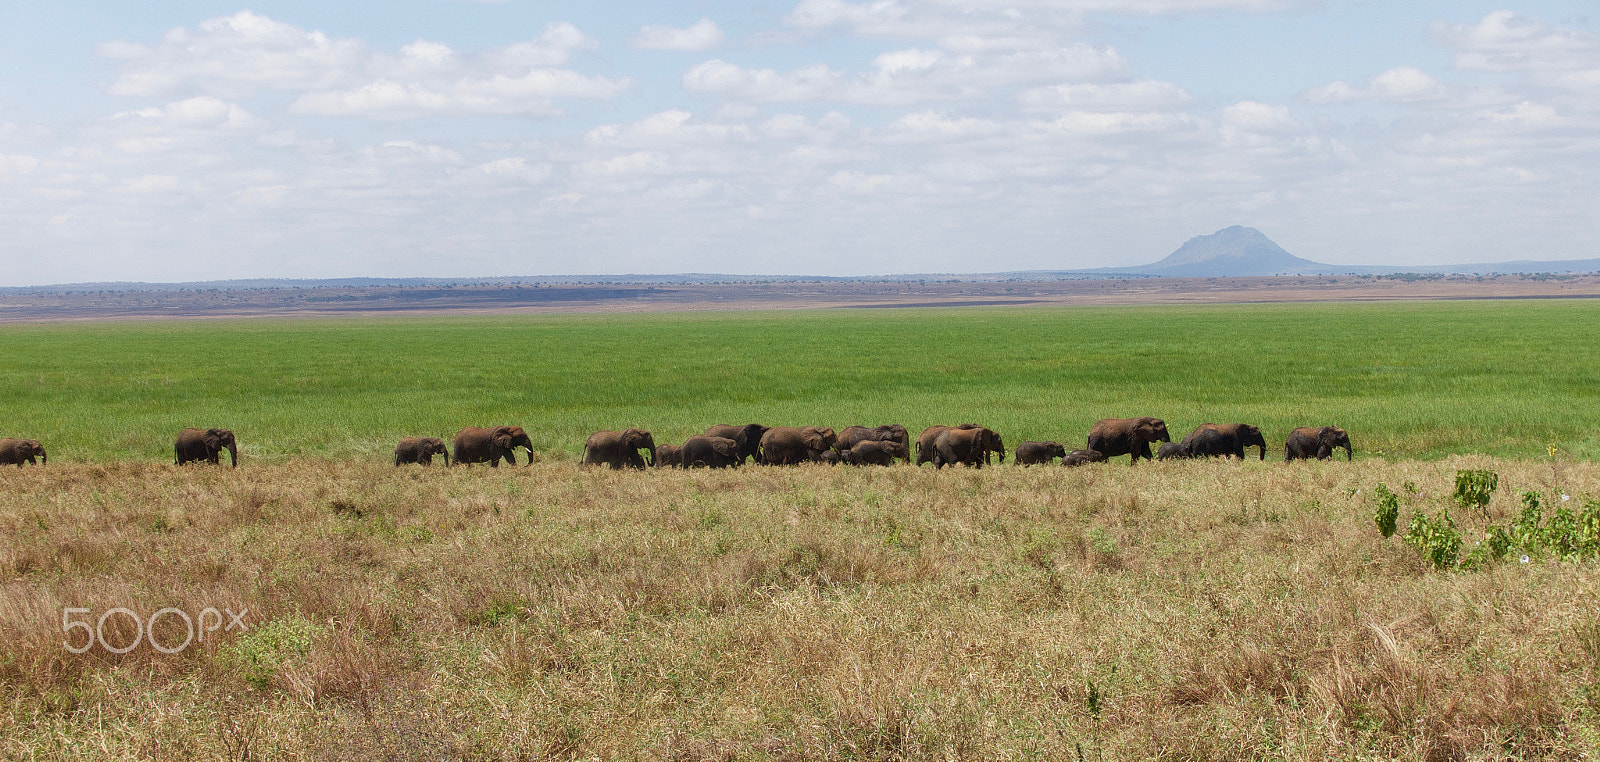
x=912 y=76
x=1145 y=95
x=240 y=54
x=1252 y=116
x=1504 y=41
x=233 y=56
x=1402 y=84
x=703 y=35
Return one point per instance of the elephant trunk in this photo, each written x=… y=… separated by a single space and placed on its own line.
x=446 y=453
x=1348 y=455
x=44 y=458
x=233 y=452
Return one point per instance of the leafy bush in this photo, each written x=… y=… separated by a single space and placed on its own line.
x=1475 y=487
x=1562 y=534
x=1388 y=510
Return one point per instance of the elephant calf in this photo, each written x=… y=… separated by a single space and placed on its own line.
x=1172 y=451
x=711 y=452
x=669 y=456
x=1037 y=453
x=420 y=450
x=19 y=451
x=872 y=452
x=1080 y=457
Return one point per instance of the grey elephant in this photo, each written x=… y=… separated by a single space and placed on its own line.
x=1127 y=436
x=930 y=435
x=1309 y=442
x=747 y=436
x=1219 y=440
x=476 y=445
x=969 y=447
x=668 y=456
x=711 y=452
x=873 y=452
x=1037 y=453
x=1083 y=457
x=420 y=450
x=205 y=444
x=619 y=448
x=19 y=451
x=788 y=445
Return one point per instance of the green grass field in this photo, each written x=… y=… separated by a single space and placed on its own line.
x=1422 y=380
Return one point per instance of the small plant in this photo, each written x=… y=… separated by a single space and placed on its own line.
x=1388 y=510
x=258 y=654
x=1437 y=539
x=1475 y=487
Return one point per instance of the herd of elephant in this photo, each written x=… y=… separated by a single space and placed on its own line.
x=725 y=446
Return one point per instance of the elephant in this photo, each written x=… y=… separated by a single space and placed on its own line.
x=1307 y=442
x=668 y=456
x=873 y=452
x=21 y=451
x=1127 y=436
x=1081 y=457
x=891 y=432
x=475 y=445
x=619 y=448
x=930 y=435
x=967 y=446
x=1030 y=453
x=420 y=450
x=788 y=445
x=832 y=458
x=711 y=452
x=1172 y=451
x=1219 y=440
x=748 y=436
x=195 y=445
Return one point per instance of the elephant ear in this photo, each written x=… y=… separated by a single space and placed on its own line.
x=813 y=439
x=726 y=447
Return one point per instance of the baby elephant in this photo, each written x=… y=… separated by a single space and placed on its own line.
x=420 y=450
x=1080 y=457
x=874 y=453
x=19 y=451
x=669 y=456
x=1031 y=453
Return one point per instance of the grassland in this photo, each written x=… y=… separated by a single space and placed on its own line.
x=1408 y=380
x=1174 y=610
x=1188 y=610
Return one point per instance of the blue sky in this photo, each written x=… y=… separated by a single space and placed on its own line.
x=201 y=140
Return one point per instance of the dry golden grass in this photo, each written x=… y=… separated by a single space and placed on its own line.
x=1179 y=610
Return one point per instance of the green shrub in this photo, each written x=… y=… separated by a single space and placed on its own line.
x=1388 y=510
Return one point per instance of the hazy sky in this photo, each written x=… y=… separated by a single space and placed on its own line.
x=195 y=140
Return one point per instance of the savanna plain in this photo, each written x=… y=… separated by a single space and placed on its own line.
x=1210 y=609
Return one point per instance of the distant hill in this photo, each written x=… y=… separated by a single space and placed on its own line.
x=1231 y=252
x=1241 y=251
